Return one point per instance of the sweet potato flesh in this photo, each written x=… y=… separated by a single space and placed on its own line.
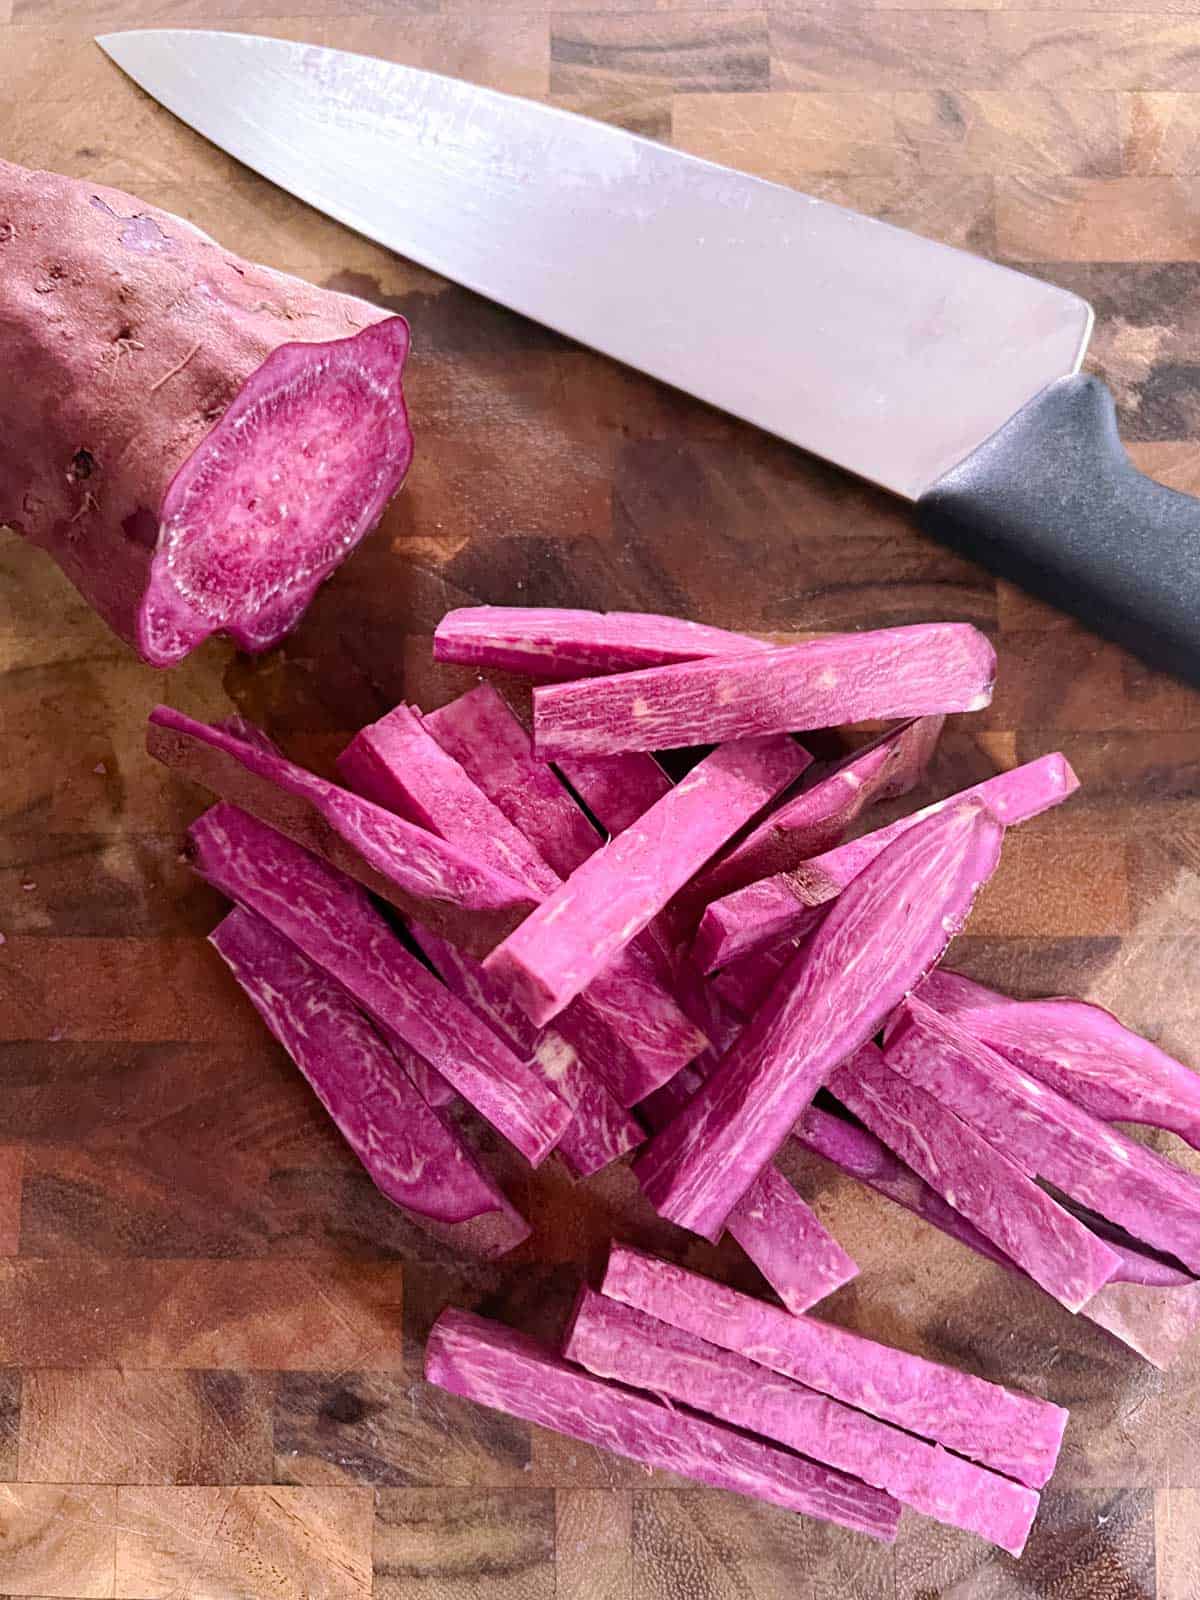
x=287 y=483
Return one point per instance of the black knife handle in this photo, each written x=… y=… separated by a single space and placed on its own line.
x=1053 y=502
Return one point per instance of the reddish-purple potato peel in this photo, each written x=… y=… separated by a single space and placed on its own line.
x=434 y=881
x=788 y=1243
x=819 y=817
x=845 y=677
x=577 y=931
x=617 y=790
x=1057 y=1251
x=198 y=441
x=1048 y=1136
x=412 y=1156
x=766 y=911
x=616 y=1341
x=1155 y=1320
x=629 y=1024
x=549 y=645
x=329 y=918
x=1080 y=1050
x=497 y=1367
x=1010 y=1432
x=872 y=947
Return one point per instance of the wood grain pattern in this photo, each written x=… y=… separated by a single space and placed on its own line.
x=243 y=1544
x=210 y=1322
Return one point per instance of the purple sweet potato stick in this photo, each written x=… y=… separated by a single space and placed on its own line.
x=788 y=1243
x=1010 y=1432
x=845 y=677
x=820 y=816
x=1056 y=1250
x=411 y=1154
x=549 y=645
x=488 y=741
x=398 y=764
x=880 y=938
x=627 y=1029
x=859 y=1154
x=497 y=1367
x=629 y=1020
x=745 y=983
x=1080 y=1050
x=419 y=873
x=578 y=930
x=617 y=790
x=1048 y=1136
x=330 y=919
x=600 y=1131
x=625 y=1345
x=766 y=911
x=1155 y=1319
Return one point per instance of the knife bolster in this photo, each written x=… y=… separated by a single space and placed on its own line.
x=1052 y=502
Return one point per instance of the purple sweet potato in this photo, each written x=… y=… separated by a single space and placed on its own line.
x=874 y=944
x=498 y=1367
x=578 y=930
x=600 y=1131
x=397 y=763
x=486 y=738
x=820 y=816
x=1155 y=1319
x=330 y=919
x=788 y=1243
x=766 y=911
x=548 y=645
x=629 y=1020
x=845 y=677
x=433 y=1087
x=435 y=882
x=617 y=790
x=1056 y=1250
x=622 y=1344
x=1010 y=1432
x=411 y=1154
x=1079 y=1049
x=196 y=440
x=1048 y=1136
x=627 y=1028
x=861 y=1155
x=745 y=983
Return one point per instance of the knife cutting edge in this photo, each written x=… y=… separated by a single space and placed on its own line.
x=941 y=376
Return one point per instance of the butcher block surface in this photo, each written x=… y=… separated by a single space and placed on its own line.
x=210 y=1324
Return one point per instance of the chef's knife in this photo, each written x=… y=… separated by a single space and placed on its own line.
x=946 y=378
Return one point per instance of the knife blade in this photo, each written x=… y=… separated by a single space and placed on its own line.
x=941 y=376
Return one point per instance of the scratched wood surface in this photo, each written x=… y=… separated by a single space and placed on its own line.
x=210 y=1324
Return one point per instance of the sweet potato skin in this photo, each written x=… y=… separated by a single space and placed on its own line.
x=134 y=334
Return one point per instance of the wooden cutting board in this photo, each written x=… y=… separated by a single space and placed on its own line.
x=210 y=1325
